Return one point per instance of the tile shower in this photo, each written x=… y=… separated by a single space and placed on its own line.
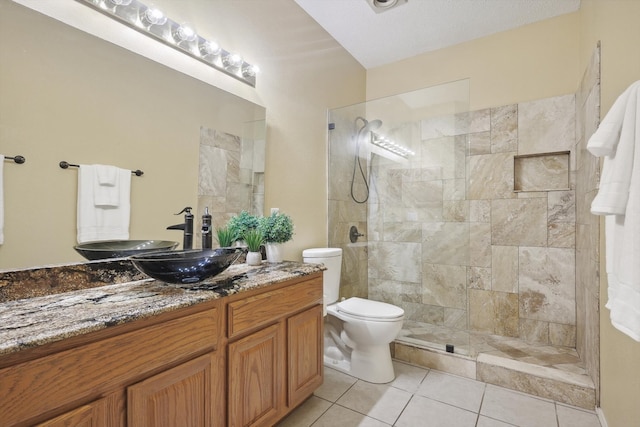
x=484 y=236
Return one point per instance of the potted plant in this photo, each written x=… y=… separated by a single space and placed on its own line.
x=226 y=237
x=276 y=229
x=241 y=223
x=254 y=240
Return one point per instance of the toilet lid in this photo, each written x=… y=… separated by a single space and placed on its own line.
x=370 y=309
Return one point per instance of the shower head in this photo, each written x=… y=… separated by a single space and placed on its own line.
x=369 y=125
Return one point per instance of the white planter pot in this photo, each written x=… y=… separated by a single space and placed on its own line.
x=274 y=252
x=254 y=258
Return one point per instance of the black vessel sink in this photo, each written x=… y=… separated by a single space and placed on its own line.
x=122 y=248
x=185 y=266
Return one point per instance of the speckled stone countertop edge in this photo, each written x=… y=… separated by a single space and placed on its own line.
x=32 y=322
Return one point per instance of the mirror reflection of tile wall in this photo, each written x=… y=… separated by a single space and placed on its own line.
x=230 y=178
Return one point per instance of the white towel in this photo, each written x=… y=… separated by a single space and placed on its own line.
x=106 y=191
x=618 y=140
x=1 y=199
x=102 y=222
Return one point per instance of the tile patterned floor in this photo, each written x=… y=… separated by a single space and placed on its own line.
x=423 y=397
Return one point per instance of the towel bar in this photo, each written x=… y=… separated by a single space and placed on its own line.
x=66 y=165
x=18 y=159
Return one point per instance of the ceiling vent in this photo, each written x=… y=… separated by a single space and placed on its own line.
x=380 y=6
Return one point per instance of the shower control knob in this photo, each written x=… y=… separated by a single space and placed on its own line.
x=353 y=234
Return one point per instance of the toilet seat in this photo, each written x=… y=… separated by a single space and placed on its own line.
x=370 y=310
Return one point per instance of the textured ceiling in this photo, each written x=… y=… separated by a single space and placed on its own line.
x=420 y=26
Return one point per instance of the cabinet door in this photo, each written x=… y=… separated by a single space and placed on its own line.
x=107 y=411
x=305 y=358
x=181 y=396
x=256 y=378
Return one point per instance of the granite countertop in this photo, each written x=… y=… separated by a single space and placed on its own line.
x=31 y=322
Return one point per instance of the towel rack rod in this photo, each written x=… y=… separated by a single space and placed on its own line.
x=66 y=165
x=18 y=159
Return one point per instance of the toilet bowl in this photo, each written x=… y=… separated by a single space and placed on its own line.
x=357 y=331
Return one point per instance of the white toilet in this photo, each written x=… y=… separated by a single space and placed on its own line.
x=357 y=331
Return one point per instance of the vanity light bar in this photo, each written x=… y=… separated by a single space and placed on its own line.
x=387 y=144
x=183 y=37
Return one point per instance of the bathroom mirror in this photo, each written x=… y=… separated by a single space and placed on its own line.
x=68 y=95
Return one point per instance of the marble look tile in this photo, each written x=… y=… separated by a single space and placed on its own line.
x=479 y=278
x=455 y=318
x=389 y=291
x=504 y=268
x=516 y=408
x=419 y=312
x=402 y=232
x=519 y=222
x=490 y=176
x=306 y=414
x=573 y=417
x=493 y=312
x=379 y=401
x=212 y=179
x=335 y=385
x=562 y=335
x=474 y=121
x=504 y=128
x=454 y=189
x=542 y=173
x=447 y=153
x=480 y=244
x=337 y=415
x=561 y=235
x=546 y=125
x=479 y=143
x=561 y=388
x=421 y=193
x=450 y=389
x=445 y=243
x=446 y=362
x=490 y=422
x=455 y=210
x=408 y=377
x=395 y=261
x=547 y=284
x=534 y=331
x=420 y=409
x=444 y=285
x=562 y=206
x=480 y=210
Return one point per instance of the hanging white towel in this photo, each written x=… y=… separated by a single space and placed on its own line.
x=1 y=199
x=618 y=140
x=102 y=222
x=106 y=191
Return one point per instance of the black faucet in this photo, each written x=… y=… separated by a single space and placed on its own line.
x=207 y=230
x=187 y=226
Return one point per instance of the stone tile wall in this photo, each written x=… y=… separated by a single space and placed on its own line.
x=229 y=180
x=588 y=225
x=452 y=243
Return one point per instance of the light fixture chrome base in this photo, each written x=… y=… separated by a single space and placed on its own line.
x=380 y=6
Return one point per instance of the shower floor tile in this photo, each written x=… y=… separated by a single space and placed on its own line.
x=471 y=344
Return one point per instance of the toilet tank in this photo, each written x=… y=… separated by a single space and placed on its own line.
x=332 y=259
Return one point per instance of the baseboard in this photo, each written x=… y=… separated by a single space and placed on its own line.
x=603 y=421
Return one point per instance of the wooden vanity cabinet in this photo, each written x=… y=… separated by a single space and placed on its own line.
x=274 y=354
x=243 y=360
x=125 y=375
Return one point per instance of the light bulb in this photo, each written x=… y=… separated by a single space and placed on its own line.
x=184 y=33
x=209 y=48
x=250 y=70
x=232 y=60
x=153 y=16
x=121 y=2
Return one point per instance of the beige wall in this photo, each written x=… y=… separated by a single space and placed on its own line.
x=301 y=77
x=615 y=24
x=531 y=62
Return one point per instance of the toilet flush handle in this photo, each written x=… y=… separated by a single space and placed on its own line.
x=353 y=234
